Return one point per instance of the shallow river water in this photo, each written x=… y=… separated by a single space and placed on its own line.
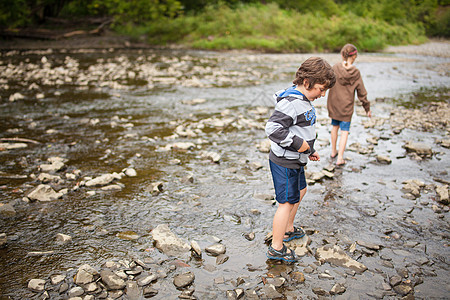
x=104 y=111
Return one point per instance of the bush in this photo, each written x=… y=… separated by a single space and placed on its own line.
x=270 y=28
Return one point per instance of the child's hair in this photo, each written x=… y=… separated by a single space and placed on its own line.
x=348 y=50
x=315 y=70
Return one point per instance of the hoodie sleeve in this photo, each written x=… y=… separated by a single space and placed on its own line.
x=361 y=92
x=277 y=128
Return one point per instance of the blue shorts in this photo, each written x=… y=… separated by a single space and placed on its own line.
x=287 y=182
x=344 y=126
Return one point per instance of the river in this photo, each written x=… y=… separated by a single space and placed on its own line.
x=107 y=110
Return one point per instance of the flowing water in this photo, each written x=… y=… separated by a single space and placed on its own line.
x=105 y=111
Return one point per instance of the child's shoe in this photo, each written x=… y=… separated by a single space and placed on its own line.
x=296 y=234
x=284 y=254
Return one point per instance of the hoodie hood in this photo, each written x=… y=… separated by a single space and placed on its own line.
x=289 y=91
x=346 y=76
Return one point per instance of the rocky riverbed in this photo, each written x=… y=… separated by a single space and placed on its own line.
x=139 y=173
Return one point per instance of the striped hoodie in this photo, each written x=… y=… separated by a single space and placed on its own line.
x=292 y=122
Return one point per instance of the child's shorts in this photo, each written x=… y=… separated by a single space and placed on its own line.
x=344 y=126
x=287 y=182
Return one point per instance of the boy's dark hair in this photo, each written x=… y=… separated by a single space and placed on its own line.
x=315 y=70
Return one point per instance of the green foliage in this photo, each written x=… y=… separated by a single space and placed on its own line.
x=270 y=25
x=270 y=28
x=14 y=13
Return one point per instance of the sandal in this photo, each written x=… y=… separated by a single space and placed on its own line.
x=296 y=234
x=285 y=254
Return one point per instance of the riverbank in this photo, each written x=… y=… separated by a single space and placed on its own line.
x=109 y=40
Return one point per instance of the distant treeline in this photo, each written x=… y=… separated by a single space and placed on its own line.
x=271 y=25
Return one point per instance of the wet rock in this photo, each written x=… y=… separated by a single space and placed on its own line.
x=7 y=210
x=75 y=292
x=47 y=178
x=412 y=188
x=262 y=196
x=337 y=289
x=264 y=146
x=56 y=164
x=325 y=276
x=91 y=287
x=216 y=249
x=384 y=160
x=402 y=289
x=44 y=192
x=155 y=188
x=319 y=291
x=63 y=238
x=421 y=149
x=271 y=292
x=16 y=96
x=132 y=291
x=442 y=192
x=130 y=172
x=146 y=279
x=168 y=242
x=251 y=294
x=112 y=187
x=111 y=280
x=85 y=274
x=249 y=236
x=196 y=249
x=103 y=179
x=3 y=240
x=221 y=258
x=12 y=146
x=335 y=255
x=213 y=156
x=444 y=143
x=149 y=292
x=297 y=277
x=37 y=285
x=194 y=101
x=180 y=146
x=182 y=280
x=128 y=235
x=395 y=280
x=368 y=245
x=63 y=287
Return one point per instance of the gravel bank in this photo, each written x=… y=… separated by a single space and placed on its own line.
x=440 y=48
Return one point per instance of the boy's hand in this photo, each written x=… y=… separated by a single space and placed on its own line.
x=314 y=157
x=369 y=114
x=304 y=147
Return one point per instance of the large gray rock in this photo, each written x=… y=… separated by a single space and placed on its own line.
x=112 y=281
x=182 y=280
x=333 y=254
x=168 y=242
x=36 y=285
x=103 y=179
x=86 y=274
x=3 y=240
x=216 y=249
x=442 y=192
x=7 y=210
x=421 y=149
x=44 y=192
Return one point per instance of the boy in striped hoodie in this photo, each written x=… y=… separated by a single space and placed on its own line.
x=291 y=130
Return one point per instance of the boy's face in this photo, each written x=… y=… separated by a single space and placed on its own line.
x=317 y=91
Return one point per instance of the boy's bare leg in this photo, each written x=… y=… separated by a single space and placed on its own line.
x=290 y=224
x=280 y=221
x=342 y=145
x=334 y=136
